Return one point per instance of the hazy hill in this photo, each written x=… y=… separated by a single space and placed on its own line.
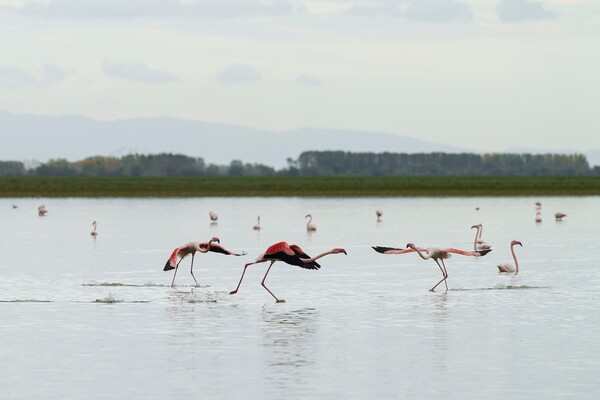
x=75 y=137
x=26 y=137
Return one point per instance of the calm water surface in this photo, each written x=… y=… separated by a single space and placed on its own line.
x=96 y=318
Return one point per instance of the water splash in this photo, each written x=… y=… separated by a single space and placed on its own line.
x=108 y=300
x=25 y=301
x=500 y=286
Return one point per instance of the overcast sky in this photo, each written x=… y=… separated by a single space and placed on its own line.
x=489 y=74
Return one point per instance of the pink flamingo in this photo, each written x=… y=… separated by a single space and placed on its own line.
x=94 y=233
x=479 y=243
x=379 y=213
x=213 y=216
x=192 y=248
x=42 y=210
x=538 y=217
x=510 y=267
x=437 y=254
x=257 y=226
x=289 y=254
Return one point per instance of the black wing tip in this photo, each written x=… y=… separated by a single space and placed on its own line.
x=168 y=267
x=484 y=252
x=383 y=249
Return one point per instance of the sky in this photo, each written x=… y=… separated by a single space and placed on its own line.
x=486 y=74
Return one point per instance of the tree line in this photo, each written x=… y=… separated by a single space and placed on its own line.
x=318 y=163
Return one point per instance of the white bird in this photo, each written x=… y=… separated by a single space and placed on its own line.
x=559 y=216
x=310 y=227
x=510 y=267
x=479 y=243
x=538 y=205
x=257 y=226
x=379 y=213
x=538 y=217
x=213 y=216
x=42 y=210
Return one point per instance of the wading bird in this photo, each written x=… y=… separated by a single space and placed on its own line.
x=289 y=254
x=379 y=213
x=437 y=254
x=42 y=210
x=559 y=216
x=310 y=227
x=257 y=226
x=510 y=267
x=538 y=205
x=538 y=217
x=192 y=248
x=479 y=243
x=93 y=232
x=213 y=216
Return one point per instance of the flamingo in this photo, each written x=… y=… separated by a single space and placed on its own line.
x=213 y=216
x=510 y=267
x=310 y=227
x=257 y=226
x=538 y=205
x=437 y=254
x=15 y=206
x=479 y=243
x=42 y=210
x=559 y=215
x=290 y=254
x=538 y=217
x=192 y=248
x=379 y=213
x=94 y=233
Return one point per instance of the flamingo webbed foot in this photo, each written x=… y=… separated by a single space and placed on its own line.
x=233 y=292
x=280 y=301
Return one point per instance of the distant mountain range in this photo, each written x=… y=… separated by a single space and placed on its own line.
x=32 y=137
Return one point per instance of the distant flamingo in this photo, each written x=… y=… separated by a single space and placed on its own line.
x=379 y=213
x=538 y=217
x=257 y=226
x=213 y=216
x=437 y=254
x=310 y=227
x=479 y=243
x=559 y=216
x=94 y=233
x=15 y=206
x=192 y=248
x=510 y=267
x=289 y=254
x=42 y=210
x=538 y=205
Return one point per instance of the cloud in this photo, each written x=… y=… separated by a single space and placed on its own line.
x=522 y=10
x=17 y=78
x=308 y=80
x=238 y=74
x=137 y=73
x=437 y=11
x=415 y=10
x=122 y=9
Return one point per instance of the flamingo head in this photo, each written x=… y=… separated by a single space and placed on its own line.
x=514 y=242
x=338 y=250
x=411 y=245
x=475 y=227
x=308 y=216
x=214 y=239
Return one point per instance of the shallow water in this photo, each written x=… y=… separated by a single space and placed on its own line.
x=96 y=318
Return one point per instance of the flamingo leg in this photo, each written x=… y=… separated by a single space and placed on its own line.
x=242 y=277
x=176 y=268
x=192 y=272
x=263 y=283
x=443 y=273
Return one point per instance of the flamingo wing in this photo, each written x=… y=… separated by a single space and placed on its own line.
x=391 y=250
x=281 y=247
x=217 y=248
x=478 y=253
x=172 y=261
x=299 y=253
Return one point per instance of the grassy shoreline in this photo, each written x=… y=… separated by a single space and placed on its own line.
x=396 y=186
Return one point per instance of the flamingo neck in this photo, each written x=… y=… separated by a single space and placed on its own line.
x=475 y=243
x=315 y=258
x=309 y=221
x=421 y=254
x=512 y=249
x=479 y=231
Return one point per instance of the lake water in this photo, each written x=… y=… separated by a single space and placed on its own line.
x=96 y=318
